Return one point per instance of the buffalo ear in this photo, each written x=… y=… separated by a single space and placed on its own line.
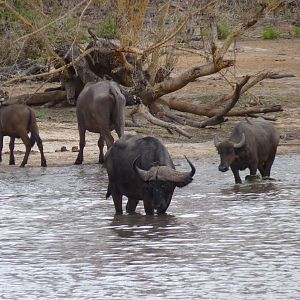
x=217 y=142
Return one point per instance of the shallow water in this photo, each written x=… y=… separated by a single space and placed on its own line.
x=60 y=239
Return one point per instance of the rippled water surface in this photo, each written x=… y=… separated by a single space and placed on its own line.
x=59 y=238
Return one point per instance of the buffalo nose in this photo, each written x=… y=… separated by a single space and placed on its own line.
x=223 y=168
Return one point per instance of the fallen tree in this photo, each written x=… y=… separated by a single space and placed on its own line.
x=146 y=70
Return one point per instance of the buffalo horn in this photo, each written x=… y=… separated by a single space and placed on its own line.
x=216 y=141
x=166 y=173
x=181 y=179
x=241 y=143
x=144 y=175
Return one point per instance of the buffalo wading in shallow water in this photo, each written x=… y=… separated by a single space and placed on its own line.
x=141 y=169
x=101 y=109
x=252 y=144
x=16 y=120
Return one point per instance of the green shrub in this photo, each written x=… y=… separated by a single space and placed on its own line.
x=108 y=29
x=296 y=31
x=19 y=6
x=270 y=33
x=223 y=30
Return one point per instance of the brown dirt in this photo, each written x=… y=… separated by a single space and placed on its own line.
x=58 y=125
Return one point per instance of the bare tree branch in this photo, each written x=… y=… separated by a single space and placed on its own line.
x=142 y=109
x=219 y=116
x=219 y=54
x=53 y=72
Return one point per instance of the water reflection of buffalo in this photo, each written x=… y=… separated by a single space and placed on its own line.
x=142 y=169
x=252 y=144
x=153 y=227
x=101 y=109
x=16 y=120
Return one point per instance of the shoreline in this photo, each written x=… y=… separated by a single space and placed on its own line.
x=91 y=153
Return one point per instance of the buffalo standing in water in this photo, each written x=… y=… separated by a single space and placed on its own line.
x=252 y=144
x=16 y=120
x=141 y=169
x=101 y=109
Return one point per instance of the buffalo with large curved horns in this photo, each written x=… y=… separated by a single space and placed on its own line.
x=252 y=144
x=141 y=168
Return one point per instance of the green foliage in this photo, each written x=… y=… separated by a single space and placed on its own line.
x=287 y=14
x=223 y=30
x=108 y=29
x=19 y=6
x=296 y=31
x=270 y=33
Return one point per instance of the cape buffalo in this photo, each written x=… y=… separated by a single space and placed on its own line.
x=16 y=120
x=141 y=169
x=101 y=109
x=252 y=144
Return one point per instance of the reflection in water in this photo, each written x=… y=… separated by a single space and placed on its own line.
x=60 y=239
x=143 y=226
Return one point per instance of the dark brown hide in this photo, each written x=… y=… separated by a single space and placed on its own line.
x=252 y=144
x=100 y=109
x=141 y=168
x=16 y=120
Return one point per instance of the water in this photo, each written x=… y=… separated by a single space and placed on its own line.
x=60 y=239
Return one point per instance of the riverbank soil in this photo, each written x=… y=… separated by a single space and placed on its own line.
x=58 y=126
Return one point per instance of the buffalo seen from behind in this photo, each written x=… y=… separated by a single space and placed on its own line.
x=252 y=144
x=141 y=169
x=101 y=109
x=16 y=120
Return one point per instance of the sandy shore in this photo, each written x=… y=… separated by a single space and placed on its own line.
x=69 y=139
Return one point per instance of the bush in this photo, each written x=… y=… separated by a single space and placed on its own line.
x=270 y=33
x=108 y=29
x=223 y=30
x=296 y=31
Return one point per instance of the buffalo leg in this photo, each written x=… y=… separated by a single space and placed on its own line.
x=148 y=207
x=79 y=159
x=27 y=144
x=236 y=175
x=262 y=170
x=131 y=205
x=40 y=146
x=101 y=146
x=106 y=135
x=269 y=164
x=11 y=151
x=117 y=198
x=253 y=170
x=1 y=146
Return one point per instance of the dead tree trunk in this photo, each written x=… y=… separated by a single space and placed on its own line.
x=51 y=97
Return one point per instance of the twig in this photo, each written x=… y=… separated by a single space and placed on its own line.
x=50 y=23
x=219 y=116
x=51 y=73
x=261 y=116
x=31 y=28
x=142 y=109
x=169 y=37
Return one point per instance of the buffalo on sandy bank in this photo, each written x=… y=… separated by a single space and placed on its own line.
x=101 y=109
x=16 y=120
